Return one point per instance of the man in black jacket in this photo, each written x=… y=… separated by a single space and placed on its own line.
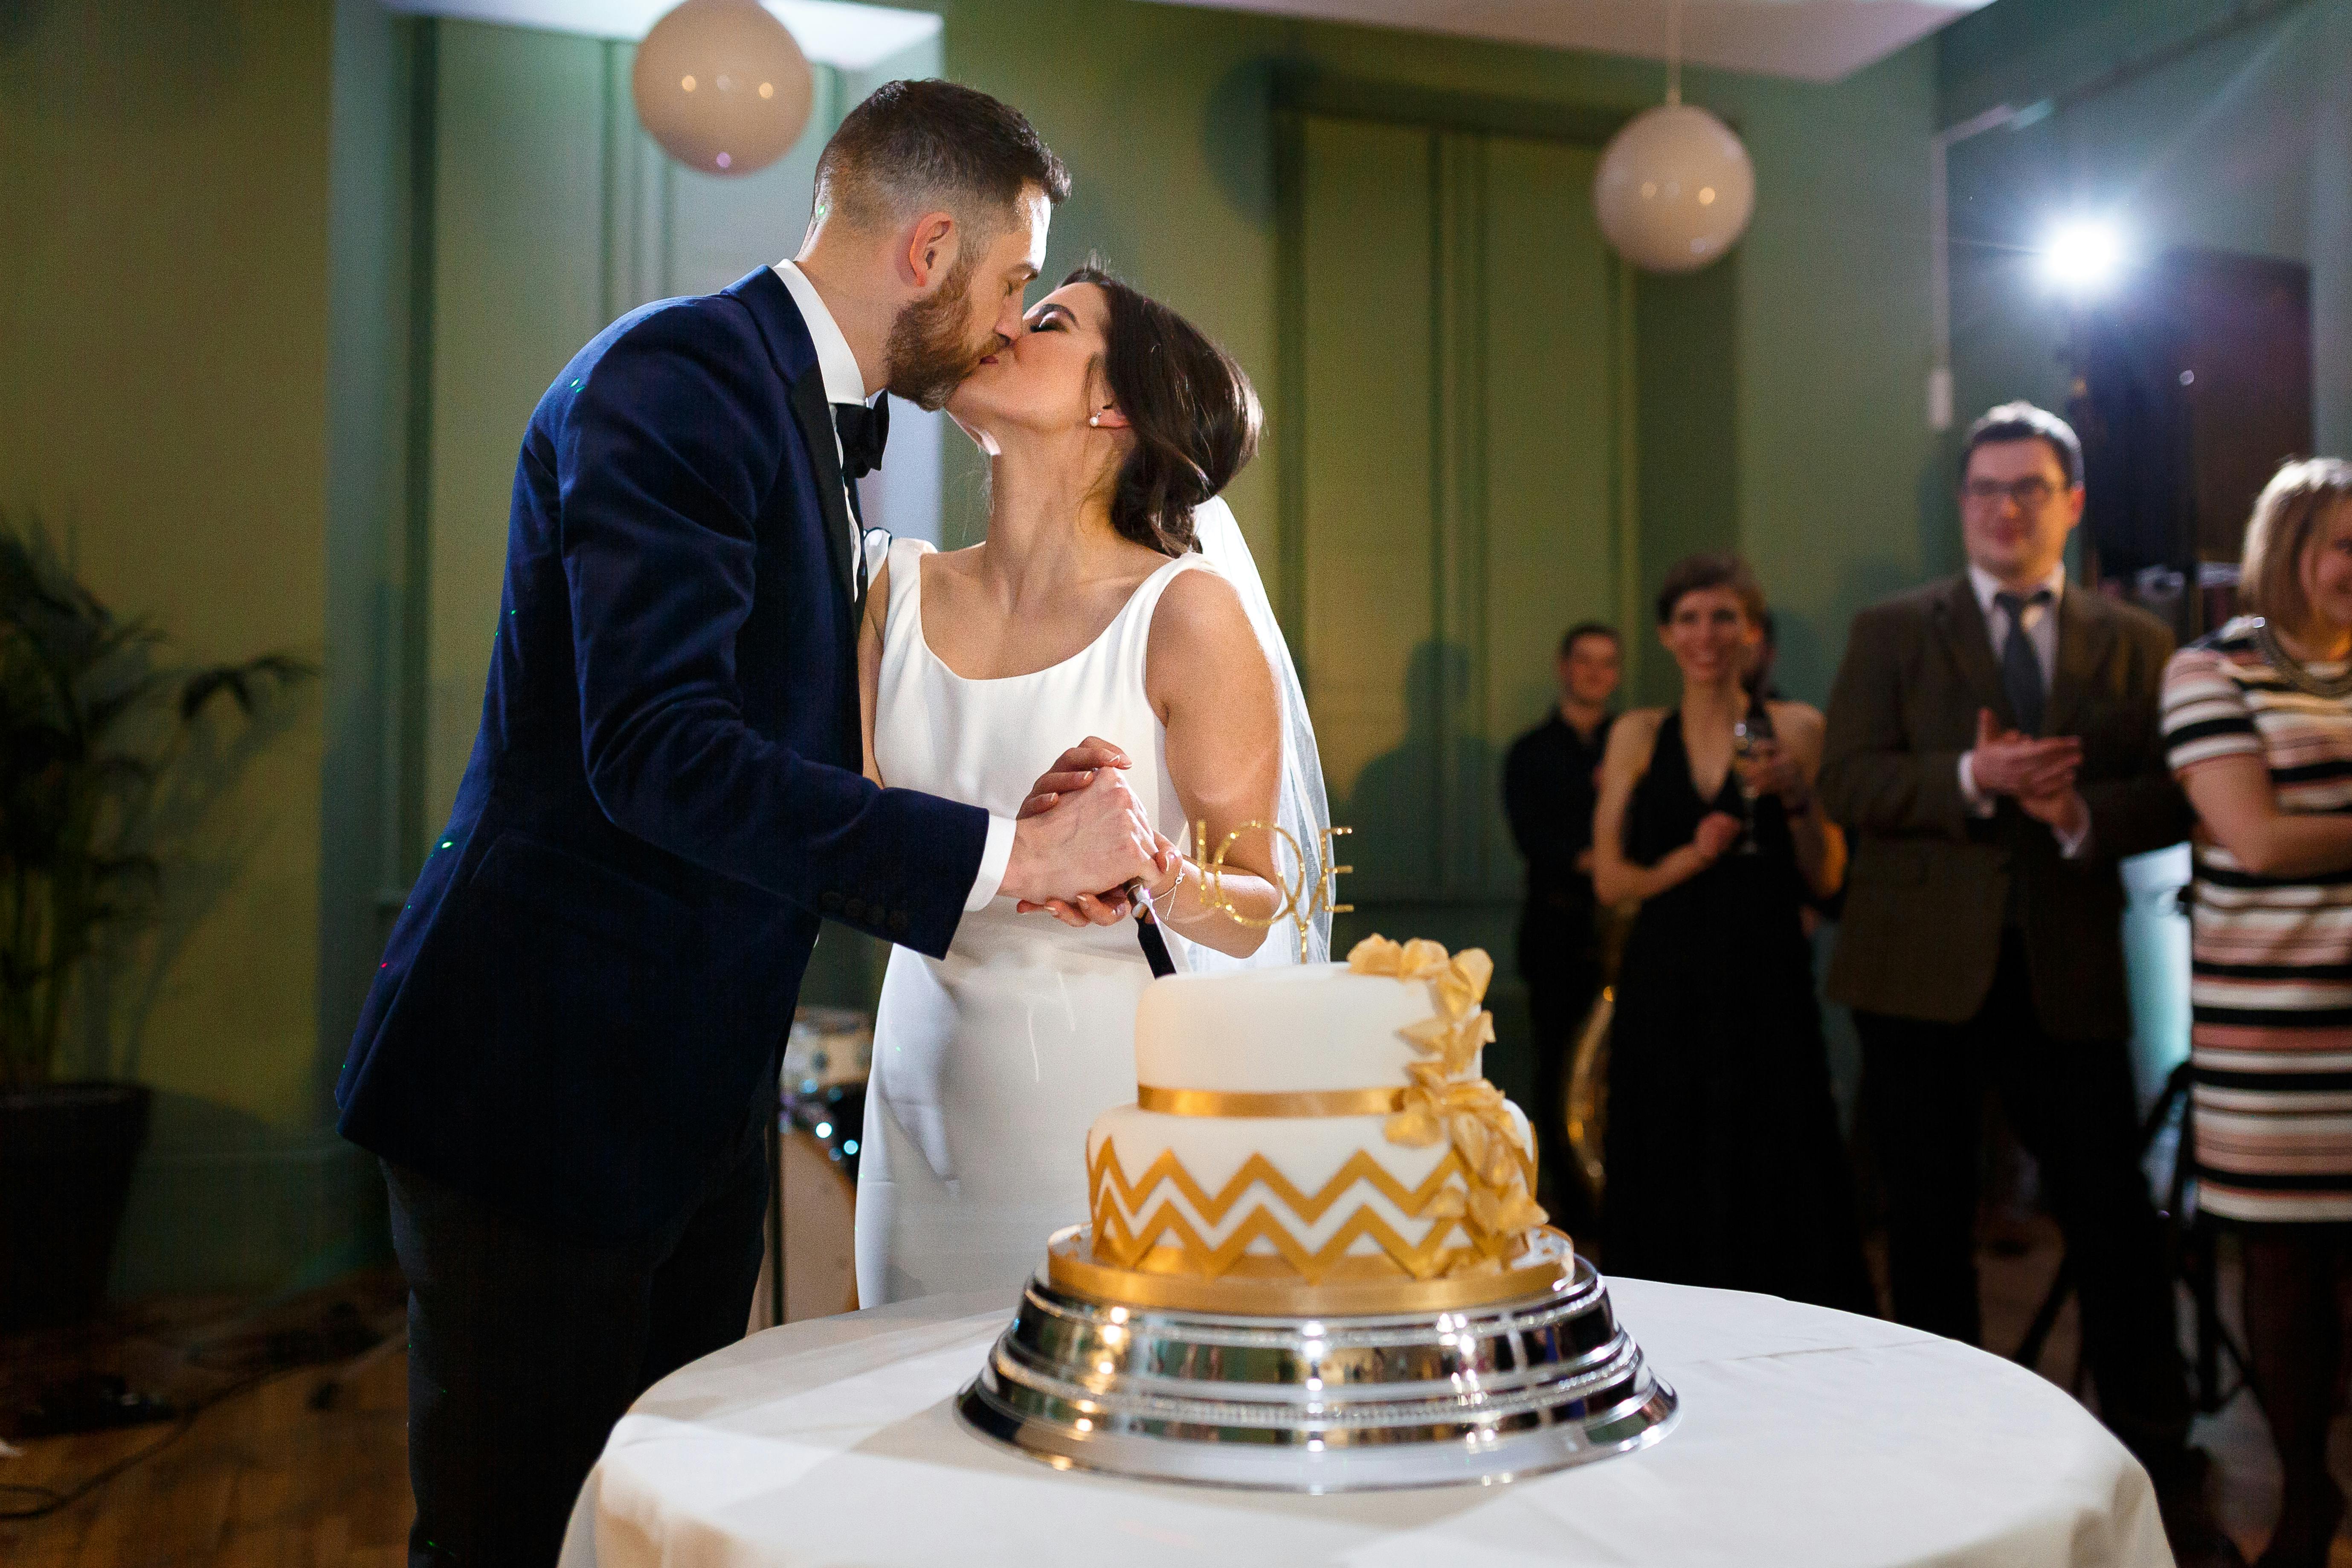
x=1547 y=792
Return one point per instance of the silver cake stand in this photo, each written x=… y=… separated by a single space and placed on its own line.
x=1337 y=1404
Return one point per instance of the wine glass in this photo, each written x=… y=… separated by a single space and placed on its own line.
x=1746 y=733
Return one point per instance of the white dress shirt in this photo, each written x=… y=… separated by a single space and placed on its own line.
x=2042 y=632
x=844 y=383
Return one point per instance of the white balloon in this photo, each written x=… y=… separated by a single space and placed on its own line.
x=1674 y=189
x=721 y=86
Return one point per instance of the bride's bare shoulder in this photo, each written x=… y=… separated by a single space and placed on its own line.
x=1200 y=605
x=1201 y=641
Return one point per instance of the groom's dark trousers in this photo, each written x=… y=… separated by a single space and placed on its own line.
x=577 y=1021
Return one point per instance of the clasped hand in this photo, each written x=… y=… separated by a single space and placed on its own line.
x=1717 y=831
x=1087 y=778
x=2040 y=773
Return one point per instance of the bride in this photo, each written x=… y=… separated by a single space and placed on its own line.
x=1113 y=597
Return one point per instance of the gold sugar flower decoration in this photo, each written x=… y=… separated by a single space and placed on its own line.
x=1440 y=1102
x=1418 y=959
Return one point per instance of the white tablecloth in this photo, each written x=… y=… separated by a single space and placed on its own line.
x=1807 y=1437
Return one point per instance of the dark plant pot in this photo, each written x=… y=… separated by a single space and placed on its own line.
x=67 y=1151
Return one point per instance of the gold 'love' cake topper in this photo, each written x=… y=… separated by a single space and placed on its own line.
x=1303 y=897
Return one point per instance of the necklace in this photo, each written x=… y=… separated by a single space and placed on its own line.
x=2296 y=673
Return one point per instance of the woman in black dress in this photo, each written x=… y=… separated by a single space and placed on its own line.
x=1725 y=1166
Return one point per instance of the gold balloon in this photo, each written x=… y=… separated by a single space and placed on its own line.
x=721 y=86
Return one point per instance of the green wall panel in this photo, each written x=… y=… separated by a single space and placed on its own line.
x=518 y=284
x=1367 y=443
x=1457 y=428
x=1452 y=326
x=1686 y=414
x=1551 y=433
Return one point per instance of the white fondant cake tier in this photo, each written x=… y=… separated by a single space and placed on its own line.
x=1286 y=1175
x=1300 y=1028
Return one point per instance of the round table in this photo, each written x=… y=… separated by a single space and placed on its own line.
x=1807 y=1437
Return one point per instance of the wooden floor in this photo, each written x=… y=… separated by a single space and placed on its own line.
x=257 y=1480
x=2015 y=1263
x=262 y=1480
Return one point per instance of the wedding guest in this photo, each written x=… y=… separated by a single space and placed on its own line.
x=1725 y=1166
x=2259 y=721
x=1993 y=749
x=1549 y=780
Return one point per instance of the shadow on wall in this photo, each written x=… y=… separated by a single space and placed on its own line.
x=1235 y=131
x=1416 y=808
x=188 y=826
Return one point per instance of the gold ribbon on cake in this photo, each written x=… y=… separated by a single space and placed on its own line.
x=1299 y=1102
x=1495 y=1205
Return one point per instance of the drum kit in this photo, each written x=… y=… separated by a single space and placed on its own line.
x=810 y=1266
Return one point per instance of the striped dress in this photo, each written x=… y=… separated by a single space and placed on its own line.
x=2270 y=987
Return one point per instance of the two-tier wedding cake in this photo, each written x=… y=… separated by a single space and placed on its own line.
x=1314 y=1138
x=1312 y=1259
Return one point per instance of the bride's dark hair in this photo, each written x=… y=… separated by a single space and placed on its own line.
x=1193 y=412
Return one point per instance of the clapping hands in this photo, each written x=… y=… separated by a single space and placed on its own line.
x=2040 y=773
x=2007 y=761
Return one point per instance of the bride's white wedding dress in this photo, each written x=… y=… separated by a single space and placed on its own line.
x=991 y=1063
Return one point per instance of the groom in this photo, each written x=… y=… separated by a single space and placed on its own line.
x=571 y=1044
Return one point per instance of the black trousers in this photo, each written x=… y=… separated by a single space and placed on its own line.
x=2071 y=1101
x=1559 y=958
x=524 y=1349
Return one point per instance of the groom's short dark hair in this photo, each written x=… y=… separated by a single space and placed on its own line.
x=913 y=142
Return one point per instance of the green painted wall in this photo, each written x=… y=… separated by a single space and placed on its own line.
x=164 y=351
x=2239 y=140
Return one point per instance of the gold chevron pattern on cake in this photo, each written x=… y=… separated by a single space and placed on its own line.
x=1163 y=1240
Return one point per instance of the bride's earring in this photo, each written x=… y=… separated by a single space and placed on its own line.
x=1095 y=420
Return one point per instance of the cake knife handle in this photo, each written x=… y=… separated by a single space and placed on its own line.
x=1148 y=934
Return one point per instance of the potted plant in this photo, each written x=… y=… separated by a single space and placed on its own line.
x=96 y=731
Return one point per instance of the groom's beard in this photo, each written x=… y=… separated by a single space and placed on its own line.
x=929 y=354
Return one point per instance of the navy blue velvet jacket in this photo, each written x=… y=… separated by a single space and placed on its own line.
x=599 y=962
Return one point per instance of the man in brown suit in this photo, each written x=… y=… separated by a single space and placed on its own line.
x=1993 y=751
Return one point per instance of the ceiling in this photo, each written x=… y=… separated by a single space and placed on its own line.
x=831 y=32
x=1814 y=40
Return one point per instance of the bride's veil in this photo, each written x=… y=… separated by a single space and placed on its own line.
x=1302 y=809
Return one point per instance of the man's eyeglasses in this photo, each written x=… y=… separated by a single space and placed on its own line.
x=2029 y=494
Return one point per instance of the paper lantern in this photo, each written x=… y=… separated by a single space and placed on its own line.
x=1674 y=189
x=721 y=86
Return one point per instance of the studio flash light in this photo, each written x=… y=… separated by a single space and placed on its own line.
x=2082 y=256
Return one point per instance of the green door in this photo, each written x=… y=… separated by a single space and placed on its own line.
x=1456 y=334
x=1457 y=495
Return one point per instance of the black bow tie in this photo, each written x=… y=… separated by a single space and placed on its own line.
x=863 y=431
